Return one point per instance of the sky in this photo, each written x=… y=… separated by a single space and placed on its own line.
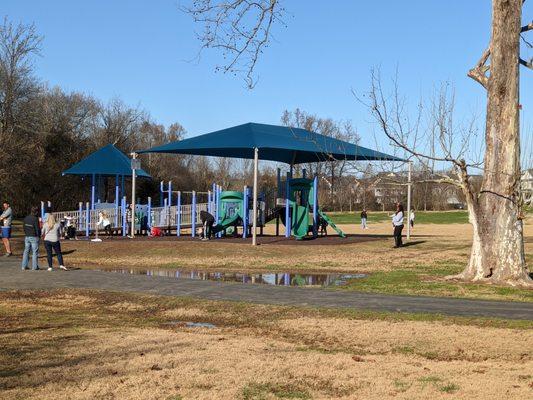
x=141 y=51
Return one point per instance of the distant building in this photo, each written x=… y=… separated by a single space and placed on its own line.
x=526 y=186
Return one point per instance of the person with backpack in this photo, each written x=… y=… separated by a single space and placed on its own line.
x=32 y=233
x=51 y=235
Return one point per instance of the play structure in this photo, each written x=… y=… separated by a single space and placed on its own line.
x=293 y=205
x=299 y=209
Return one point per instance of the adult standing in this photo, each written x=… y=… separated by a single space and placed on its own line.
x=6 y=219
x=364 y=217
x=412 y=218
x=397 y=223
x=207 y=222
x=51 y=234
x=129 y=219
x=32 y=232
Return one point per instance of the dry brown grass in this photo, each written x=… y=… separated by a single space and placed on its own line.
x=90 y=345
x=437 y=243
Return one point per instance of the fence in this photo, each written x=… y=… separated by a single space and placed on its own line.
x=162 y=217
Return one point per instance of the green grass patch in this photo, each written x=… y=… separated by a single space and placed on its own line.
x=401 y=386
x=261 y=391
x=421 y=217
x=428 y=280
x=430 y=379
x=449 y=388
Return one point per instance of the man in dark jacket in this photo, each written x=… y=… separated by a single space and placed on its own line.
x=32 y=232
x=207 y=222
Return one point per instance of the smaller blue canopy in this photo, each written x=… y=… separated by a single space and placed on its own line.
x=108 y=161
x=275 y=143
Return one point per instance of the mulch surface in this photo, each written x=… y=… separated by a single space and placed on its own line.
x=261 y=240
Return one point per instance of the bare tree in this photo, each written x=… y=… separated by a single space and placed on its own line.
x=333 y=169
x=18 y=45
x=227 y=27
x=495 y=210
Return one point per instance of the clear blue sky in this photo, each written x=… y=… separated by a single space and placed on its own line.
x=137 y=50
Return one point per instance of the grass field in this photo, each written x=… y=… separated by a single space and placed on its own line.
x=436 y=250
x=74 y=344
x=421 y=217
x=428 y=217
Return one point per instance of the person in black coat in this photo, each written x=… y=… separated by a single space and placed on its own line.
x=207 y=222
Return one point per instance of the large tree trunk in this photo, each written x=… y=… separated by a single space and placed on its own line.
x=498 y=248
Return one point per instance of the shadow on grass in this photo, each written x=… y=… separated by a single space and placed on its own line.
x=414 y=243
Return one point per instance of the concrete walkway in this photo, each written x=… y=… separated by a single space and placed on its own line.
x=13 y=278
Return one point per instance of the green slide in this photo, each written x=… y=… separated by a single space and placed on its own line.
x=331 y=223
x=300 y=222
x=225 y=223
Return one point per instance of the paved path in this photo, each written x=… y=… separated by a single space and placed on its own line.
x=12 y=277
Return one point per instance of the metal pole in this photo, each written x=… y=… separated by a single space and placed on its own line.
x=169 y=193
x=92 y=191
x=254 y=212
x=315 y=206
x=123 y=213
x=133 y=179
x=79 y=221
x=87 y=219
x=149 y=216
x=178 y=216
x=287 y=205
x=245 y=212
x=409 y=200
x=162 y=192
x=116 y=200
x=193 y=214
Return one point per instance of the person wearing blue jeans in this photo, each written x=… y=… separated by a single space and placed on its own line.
x=32 y=232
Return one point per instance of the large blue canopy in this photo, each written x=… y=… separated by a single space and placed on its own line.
x=275 y=143
x=108 y=161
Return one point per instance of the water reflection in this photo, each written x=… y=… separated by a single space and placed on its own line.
x=274 y=279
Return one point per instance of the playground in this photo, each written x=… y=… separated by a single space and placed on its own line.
x=293 y=205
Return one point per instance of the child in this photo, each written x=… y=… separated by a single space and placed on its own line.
x=323 y=226
x=412 y=218
x=364 y=217
x=104 y=221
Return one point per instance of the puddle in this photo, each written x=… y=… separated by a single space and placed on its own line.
x=199 y=325
x=273 y=279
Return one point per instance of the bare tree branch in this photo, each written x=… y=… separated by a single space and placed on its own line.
x=241 y=29
x=479 y=72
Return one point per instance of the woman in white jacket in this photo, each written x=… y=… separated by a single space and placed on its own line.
x=397 y=223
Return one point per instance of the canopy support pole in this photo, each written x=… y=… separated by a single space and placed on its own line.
x=409 y=200
x=93 y=178
x=254 y=212
x=133 y=176
x=117 y=195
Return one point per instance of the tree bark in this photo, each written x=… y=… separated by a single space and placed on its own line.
x=498 y=247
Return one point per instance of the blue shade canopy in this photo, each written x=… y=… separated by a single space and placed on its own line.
x=275 y=143
x=108 y=161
